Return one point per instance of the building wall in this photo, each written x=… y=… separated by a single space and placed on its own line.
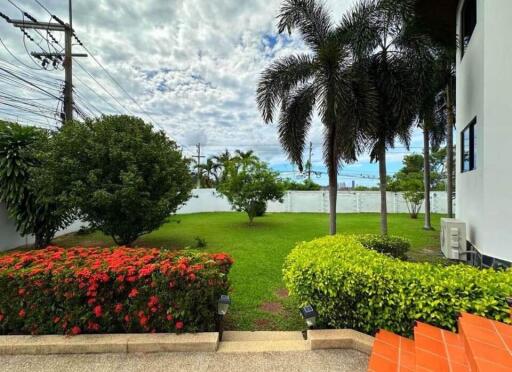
x=484 y=78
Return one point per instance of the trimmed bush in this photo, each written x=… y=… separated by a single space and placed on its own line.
x=394 y=246
x=98 y=290
x=354 y=287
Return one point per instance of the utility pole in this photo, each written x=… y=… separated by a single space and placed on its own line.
x=58 y=26
x=199 y=156
x=309 y=164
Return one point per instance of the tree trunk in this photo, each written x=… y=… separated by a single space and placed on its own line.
x=449 y=150
x=426 y=176
x=383 y=187
x=333 y=195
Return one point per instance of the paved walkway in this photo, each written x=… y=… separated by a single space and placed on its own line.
x=321 y=360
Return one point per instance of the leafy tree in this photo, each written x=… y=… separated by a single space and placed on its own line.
x=246 y=155
x=307 y=185
x=412 y=184
x=221 y=162
x=249 y=185
x=326 y=79
x=21 y=148
x=122 y=177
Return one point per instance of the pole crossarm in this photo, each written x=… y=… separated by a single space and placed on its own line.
x=49 y=26
x=51 y=55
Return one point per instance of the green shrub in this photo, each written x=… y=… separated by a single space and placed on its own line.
x=354 y=287
x=394 y=246
x=260 y=209
x=102 y=290
x=123 y=177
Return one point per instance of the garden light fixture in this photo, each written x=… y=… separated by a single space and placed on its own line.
x=309 y=314
x=222 y=310
x=223 y=305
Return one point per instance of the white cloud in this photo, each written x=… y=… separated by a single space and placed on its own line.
x=192 y=64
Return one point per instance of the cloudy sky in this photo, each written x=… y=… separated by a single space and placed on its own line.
x=192 y=66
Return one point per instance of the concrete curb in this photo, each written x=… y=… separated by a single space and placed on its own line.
x=108 y=343
x=340 y=339
x=234 y=342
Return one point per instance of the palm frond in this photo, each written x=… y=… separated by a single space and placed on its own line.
x=295 y=121
x=309 y=17
x=279 y=79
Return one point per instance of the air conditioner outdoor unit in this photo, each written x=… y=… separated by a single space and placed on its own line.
x=453 y=238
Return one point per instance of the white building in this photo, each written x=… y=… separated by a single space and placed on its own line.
x=483 y=118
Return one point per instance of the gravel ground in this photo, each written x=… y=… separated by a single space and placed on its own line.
x=321 y=360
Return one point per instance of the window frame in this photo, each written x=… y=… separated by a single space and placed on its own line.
x=470 y=129
x=464 y=8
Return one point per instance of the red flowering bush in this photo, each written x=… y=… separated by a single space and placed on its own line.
x=98 y=290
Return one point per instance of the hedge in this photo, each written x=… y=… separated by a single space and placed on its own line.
x=102 y=290
x=354 y=287
x=395 y=246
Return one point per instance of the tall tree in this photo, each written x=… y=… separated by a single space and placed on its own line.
x=326 y=79
x=246 y=155
x=378 y=33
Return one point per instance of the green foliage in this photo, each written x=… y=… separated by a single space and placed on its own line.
x=200 y=242
x=307 y=185
x=354 y=287
x=249 y=185
x=395 y=246
x=21 y=149
x=410 y=180
x=123 y=178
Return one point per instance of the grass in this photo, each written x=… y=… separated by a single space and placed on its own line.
x=259 y=301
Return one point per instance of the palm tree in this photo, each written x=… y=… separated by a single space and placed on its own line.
x=246 y=155
x=378 y=33
x=432 y=115
x=222 y=162
x=326 y=79
x=209 y=176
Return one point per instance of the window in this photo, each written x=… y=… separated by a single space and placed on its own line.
x=467 y=23
x=468 y=148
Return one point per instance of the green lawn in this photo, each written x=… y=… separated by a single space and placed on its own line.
x=259 y=301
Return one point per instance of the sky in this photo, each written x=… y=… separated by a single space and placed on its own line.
x=190 y=66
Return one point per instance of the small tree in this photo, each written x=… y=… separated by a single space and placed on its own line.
x=412 y=184
x=33 y=212
x=124 y=178
x=249 y=185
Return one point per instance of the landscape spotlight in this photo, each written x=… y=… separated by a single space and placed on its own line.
x=309 y=314
x=223 y=305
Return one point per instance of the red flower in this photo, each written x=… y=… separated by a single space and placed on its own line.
x=192 y=277
x=76 y=330
x=127 y=318
x=1 y=317
x=169 y=317
x=22 y=313
x=153 y=300
x=133 y=293
x=22 y=291
x=56 y=319
x=98 y=312
x=118 y=308
x=93 y=326
x=179 y=325
x=143 y=320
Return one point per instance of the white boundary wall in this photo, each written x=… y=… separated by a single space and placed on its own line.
x=208 y=200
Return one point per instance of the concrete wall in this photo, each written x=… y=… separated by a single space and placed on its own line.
x=484 y=78
x=9 y=237
x=207 y=200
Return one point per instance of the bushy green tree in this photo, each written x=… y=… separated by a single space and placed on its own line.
x=33 y=212
x=249 y=185
x=121 y=176
x=307 y=185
